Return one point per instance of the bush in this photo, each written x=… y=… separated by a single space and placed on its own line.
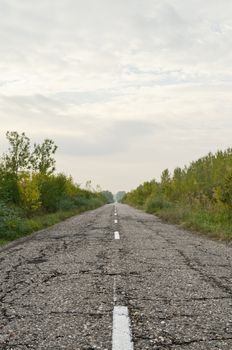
x=154 y=204
x=8 y=187
x=10 y=222
x=52 y=191
x=66 y=204
x=29 y=193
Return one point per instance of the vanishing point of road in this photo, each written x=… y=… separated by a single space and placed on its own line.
x=115 y=278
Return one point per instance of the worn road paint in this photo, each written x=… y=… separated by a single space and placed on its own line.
x=116 y=235
x=115 y=221
x=121 y=338
x=114 y=290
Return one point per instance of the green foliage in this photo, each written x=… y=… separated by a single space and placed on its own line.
x=42 y=157
x=139 y=196
x=17 y=227
x=9 y=222
x=109 y=196
x=204 y=188
x=153 y=204
x=29 y=192
x=20 y=157
x=9 y=192
x=119 y=196
x=52 y=191
x=29 y=187
x=223 y=193
x=18 y=154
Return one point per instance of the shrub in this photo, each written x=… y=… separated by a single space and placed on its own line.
x=154 y=204
x=9 y=222
x=29 y=192
x=52 y=191
x=8 y=187
x=66 y=204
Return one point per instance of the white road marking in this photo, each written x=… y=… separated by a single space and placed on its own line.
x=115 y=214
x=114 y=290
x=121 y=338
x=115 y=221
x=116 y=235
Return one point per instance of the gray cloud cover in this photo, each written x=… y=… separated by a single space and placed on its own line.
x=130 y=86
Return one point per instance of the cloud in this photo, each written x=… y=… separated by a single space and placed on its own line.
x=88 y=45
x=144 y=84
x=117 y=138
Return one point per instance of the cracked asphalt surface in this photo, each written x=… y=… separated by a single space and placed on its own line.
x=57 y=286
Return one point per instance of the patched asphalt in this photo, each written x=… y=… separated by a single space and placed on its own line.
x=58 y=288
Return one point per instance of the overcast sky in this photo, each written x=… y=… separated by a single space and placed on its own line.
x=126 y=88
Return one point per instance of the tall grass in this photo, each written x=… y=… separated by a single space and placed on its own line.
x=215 y=225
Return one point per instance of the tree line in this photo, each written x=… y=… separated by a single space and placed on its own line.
x=203 y=187
x=30 y=187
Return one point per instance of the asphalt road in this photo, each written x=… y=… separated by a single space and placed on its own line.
x=58 y=288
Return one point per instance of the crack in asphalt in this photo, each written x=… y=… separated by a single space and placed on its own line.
x=192 y=264
x=57 y=285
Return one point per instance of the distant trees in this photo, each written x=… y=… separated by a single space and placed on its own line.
x=206 y=183
x=109 y=196
x=119 y=196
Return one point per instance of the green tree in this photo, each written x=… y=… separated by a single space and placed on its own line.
x=18 y=157
x=119 y=195
x=42 y=159
x=109 y=196
x=88 y=186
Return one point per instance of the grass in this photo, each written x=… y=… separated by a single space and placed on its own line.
x=27 y=226
x=3 y=241
x=215 y=224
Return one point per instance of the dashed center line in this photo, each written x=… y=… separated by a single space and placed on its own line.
x=121 y=338
x=116 y=235
x=121 y=335
x=114 y=291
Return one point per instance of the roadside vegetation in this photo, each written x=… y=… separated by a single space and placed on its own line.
x=198 y=197
x=32 y=196
x=119 y=196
